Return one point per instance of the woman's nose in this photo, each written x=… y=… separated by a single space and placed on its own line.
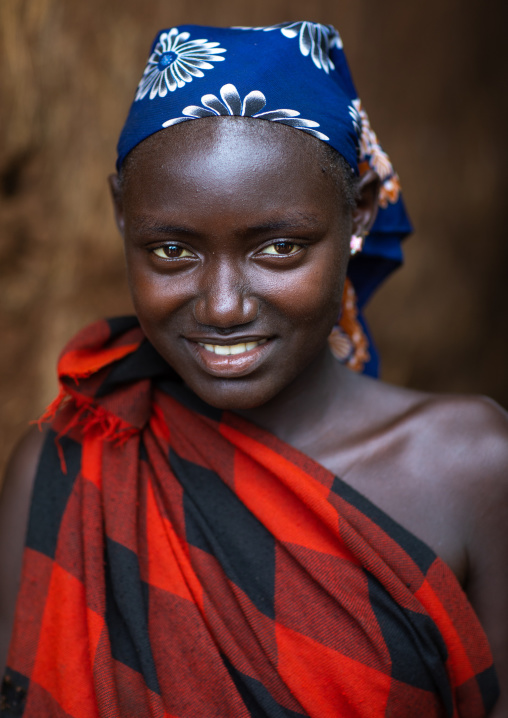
x=225 y=299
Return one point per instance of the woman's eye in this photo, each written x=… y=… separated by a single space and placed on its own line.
x=172 y=251
x=281 y=248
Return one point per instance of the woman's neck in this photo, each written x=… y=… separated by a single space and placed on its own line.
x=303 y=413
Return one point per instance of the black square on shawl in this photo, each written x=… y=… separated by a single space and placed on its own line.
x=489 y=687
x=14 y=690
x=144 y=363
x=120 y=325
x=217 y=522
x=143 y=454
x=421 y=554
x=127 y=612
x=51 y=492
x=258 y=701
x=417 y=650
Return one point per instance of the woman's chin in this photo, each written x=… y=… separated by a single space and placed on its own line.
x=234 y=395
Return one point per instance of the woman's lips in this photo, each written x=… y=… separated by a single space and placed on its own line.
x=232 y=349
x=231 y=360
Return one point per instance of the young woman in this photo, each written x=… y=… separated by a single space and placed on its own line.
x=191 y=550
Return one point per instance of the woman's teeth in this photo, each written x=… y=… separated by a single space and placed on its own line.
x=233 y=348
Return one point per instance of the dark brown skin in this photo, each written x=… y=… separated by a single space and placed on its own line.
x=234 y=232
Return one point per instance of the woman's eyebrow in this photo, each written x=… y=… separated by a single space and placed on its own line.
x=160 y=228
x=298 y=221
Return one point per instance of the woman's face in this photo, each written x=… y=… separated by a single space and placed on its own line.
x=237 y=243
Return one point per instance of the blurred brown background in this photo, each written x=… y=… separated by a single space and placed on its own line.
x=433 y=78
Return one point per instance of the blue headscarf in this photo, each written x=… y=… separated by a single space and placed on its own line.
x=294 y=74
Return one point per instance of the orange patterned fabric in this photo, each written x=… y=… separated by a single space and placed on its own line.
x=348 y=341
x=183 y=563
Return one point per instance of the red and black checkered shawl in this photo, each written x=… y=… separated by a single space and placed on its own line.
x=182 y=563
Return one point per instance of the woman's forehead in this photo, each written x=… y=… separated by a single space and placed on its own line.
x=229 y=136
x=228 y=165
x=232 y=149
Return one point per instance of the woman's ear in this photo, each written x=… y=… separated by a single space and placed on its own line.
x=117 y=197
x=366 y=208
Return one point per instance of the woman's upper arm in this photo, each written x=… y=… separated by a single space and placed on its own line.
x=487 y=586
x=14 y=507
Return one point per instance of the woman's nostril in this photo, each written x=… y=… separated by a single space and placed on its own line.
x=225 y=311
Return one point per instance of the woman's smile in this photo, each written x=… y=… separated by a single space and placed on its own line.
x=231 y=360
x=237 y=246
x=230 y=349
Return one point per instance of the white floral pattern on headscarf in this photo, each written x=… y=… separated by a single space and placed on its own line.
x=232 y=104
x=176 y=60
x=315 y=40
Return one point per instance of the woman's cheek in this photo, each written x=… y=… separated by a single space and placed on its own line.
x=313 y=297
x=155 y=294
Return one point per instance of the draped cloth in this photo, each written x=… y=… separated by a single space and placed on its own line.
x=181 y=563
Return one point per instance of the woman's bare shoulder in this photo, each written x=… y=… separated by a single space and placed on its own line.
x=468 y=435
x=462 y=431
x=464 y=440
x=451 y=450
x=14 y=507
